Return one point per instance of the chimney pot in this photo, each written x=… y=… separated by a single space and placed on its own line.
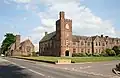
x=102 y=36
x=45 y=33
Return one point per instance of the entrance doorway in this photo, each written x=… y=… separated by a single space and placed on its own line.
x=67 y=53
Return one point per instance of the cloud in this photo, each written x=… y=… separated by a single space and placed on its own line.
x=84 y=21
x=82 y=17
x=22 y=1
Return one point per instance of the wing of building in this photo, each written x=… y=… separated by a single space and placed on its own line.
x=24 y=48
x=62 y=43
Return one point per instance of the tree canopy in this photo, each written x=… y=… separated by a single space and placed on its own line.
x=9 y=39
x=116 y=49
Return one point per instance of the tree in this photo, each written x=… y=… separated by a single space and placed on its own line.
x=110 y=52
x=116 y=49
x=9 y=39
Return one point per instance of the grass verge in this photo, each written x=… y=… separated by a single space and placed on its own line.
x=73 y=59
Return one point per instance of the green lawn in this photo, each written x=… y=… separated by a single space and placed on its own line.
x=75 y=59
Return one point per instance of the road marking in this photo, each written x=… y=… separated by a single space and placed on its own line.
x=109 y=64
x=85 y=67
x=36 y=72
x=26 y=68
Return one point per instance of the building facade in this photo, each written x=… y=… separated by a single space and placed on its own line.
x=18 y=48
x=62 y=43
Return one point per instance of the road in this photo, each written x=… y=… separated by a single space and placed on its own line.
x=17 y=68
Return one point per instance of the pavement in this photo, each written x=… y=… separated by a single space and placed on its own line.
x=19 y=68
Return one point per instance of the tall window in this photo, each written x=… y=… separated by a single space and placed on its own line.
x=88 y=43
x=74 y=50
x=88 y=50
x=99 y=43
x=99 y=50
x=82 y=50
x=103 y=44
x=96 y=44
x=106 y=43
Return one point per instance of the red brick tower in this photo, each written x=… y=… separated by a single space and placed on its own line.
x=64 y=35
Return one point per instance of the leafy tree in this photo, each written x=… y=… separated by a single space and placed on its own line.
x=9 y=39
x=116 y=49
x=110 y=52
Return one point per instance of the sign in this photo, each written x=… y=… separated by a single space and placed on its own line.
x=64 y=61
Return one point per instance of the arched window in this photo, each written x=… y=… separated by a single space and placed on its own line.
x=96 y=44
x=99 y=44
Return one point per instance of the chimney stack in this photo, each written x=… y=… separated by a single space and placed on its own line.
x=45 y=33
x=17 y=42
x=62 y=15
x=102 y=36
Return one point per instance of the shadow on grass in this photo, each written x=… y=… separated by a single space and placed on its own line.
x=12 y=71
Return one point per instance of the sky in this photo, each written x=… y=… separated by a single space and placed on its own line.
x=31 y=18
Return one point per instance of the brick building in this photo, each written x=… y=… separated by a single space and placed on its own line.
x=62 y=43
x=18 y=48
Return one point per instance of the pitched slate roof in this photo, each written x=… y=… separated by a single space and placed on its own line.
x=76 y=38
x=48 y=36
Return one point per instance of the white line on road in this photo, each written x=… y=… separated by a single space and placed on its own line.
x=27 y=68
x=36 y=72
x=109 y=64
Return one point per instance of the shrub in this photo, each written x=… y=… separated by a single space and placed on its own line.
x=26 y=55
x=116 y=49
x=34 y=54
x=118 y=55
x=88 y=54
x=79 y=55
x=110 y=52
x=96 y=55
x=103 y=53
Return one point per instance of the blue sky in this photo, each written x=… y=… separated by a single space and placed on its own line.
x=31 y=18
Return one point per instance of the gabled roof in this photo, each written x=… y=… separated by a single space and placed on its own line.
x=25 y=41
x=48 y=36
